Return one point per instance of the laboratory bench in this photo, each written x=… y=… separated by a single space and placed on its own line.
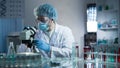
x=36 y=61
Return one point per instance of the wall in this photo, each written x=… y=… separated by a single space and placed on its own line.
x=7 y=26
x=70 y=13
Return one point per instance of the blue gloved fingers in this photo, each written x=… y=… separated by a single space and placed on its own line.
x=42 y=45
x=37 y=42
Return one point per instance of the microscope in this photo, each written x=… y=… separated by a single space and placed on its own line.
x=27 y=37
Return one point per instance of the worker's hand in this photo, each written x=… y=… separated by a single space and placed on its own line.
x=42 y=45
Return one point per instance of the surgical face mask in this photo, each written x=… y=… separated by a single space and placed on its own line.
x=43 y=26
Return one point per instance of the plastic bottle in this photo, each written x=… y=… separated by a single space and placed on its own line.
x=73 y=51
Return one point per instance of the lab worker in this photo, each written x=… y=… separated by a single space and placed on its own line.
x=52 y=40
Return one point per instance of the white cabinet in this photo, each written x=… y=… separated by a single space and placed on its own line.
x=108 y=21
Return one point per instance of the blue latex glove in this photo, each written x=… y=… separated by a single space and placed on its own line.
x=42 y=45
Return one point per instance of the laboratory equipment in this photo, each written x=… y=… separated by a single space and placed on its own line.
x=76 y=50
x=11 y=49
x=13 y=37
x=21 y=60
x=28 y=33
x=27 y=36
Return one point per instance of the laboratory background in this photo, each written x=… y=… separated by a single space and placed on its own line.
x=95 y=25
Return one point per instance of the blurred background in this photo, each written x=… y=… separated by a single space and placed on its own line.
x=93 y=22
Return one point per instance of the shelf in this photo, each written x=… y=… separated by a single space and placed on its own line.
x=109 y=28
x=108 y=11
x=101 y=53
x=108 y=18
x=108 y=44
